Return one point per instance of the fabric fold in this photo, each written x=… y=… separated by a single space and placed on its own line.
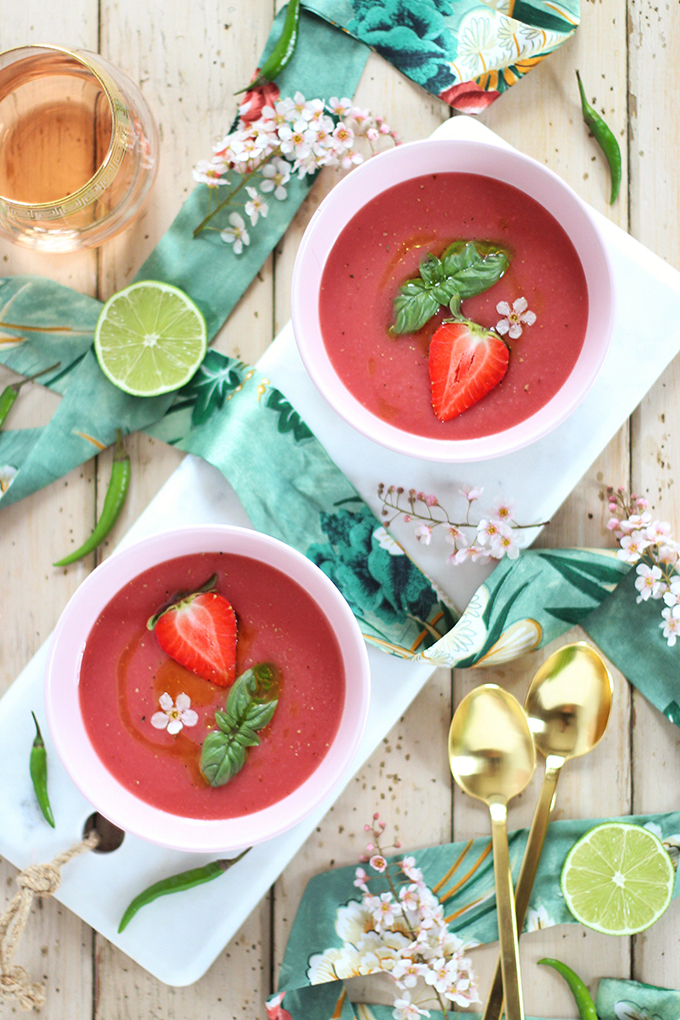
x=330 y=940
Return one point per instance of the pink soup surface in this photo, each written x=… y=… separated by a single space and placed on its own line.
x=383 y=245
x=124 y=672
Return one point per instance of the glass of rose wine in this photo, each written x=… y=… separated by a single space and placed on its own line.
x=78 y=148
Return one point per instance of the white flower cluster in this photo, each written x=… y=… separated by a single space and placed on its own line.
x=289 y=136
x=641 y=538
x=492 y=537
x=403 y=933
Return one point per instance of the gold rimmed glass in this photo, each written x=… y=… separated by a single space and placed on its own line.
x=78 y=148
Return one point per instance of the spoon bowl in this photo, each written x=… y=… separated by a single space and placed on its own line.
x=492 y=757
x=491 y=750
x=569 y=701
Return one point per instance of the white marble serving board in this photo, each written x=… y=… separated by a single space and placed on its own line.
x=178 y=946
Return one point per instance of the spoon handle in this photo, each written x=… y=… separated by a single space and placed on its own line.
x=532 y=854
x=505 y=904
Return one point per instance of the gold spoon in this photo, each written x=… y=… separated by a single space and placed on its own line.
x=492 y=757
x=568 y=707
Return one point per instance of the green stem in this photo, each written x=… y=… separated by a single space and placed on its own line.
x=244 y=180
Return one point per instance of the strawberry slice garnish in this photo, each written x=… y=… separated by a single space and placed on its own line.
x=466 y=361
x=199 y=632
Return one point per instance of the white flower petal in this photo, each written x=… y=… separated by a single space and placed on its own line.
x=520 y=305
x=166 y=702
x=174 y=726
x=515 y=331
x=159 y=720
x=183 y=701
x=529 y=318
x=503 y=308
x=502 y=326
x=189 y=717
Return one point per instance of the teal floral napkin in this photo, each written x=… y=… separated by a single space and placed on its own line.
x=335 y=935
x=466 y=52
x=631 y=1000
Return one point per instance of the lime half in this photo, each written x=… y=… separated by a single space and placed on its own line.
x=150 y=338
x=618 y=879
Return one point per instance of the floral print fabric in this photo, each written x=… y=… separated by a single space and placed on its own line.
x=334 y=938
x=466 y=52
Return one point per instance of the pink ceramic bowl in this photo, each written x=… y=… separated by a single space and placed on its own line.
x=82 y=762
x=439 y=156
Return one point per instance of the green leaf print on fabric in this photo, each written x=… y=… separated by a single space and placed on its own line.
x=216 y=378
x=289 y=419
x=412 y=34
x=372 y=579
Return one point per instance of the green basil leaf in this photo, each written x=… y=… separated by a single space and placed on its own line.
x=466 y=268
x=478 y=277
x=432 y=270
x=441 y=292
x=413 y=308
x=224 y=750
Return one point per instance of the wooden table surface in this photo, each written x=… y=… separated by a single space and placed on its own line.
x=188 y=60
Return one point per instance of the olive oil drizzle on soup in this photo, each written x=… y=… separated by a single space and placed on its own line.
x=124 y=672
x=383 y=245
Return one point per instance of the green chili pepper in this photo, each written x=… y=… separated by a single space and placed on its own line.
x=178 y=883
x=113 y=503
x=283 y=49
x=582 y=996
x=605 y=138
x=38 y=770
x=11 y=392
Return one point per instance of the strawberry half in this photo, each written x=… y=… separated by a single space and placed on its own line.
x=199 y=632
x=465 y=361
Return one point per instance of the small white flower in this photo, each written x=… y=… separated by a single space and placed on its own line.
x=175 y=715
x=503 y=543
x=424 y=533
x=487 y=531
x=658 y=531
x=343 y=137
x=276 y=175
x=210 y=173
x=670 y=624
x=471 y=493
x=236 y=234
x=648 y=582
x=514 y=317
x=404 y=1009
x=340 y=107
x=632 y=547
x=256 y=207
x=672 y=596
x=504 y=509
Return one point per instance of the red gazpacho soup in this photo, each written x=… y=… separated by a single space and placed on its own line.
x=124 y=673
x=382 y=247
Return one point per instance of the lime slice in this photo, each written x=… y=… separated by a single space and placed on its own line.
x=150 y=338
x=617 y=879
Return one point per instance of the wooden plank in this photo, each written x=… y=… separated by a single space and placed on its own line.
x=655 y=205
x=34 y=533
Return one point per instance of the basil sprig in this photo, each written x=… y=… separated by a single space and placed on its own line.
x=249 y=707
x=464 y=269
